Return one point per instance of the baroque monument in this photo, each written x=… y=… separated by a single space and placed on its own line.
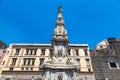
x=60 y=66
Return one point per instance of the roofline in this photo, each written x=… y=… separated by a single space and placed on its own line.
x=1 y=42
x=19 y=44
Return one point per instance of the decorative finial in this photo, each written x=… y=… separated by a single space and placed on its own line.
x=60 y=9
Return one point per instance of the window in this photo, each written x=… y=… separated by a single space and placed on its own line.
x=22 y=68
x=35 y=51
x=14 y=61
x=24 y=63
x=85 y=50
x=69 y=52
x=3 y=62
x=31 y=69
x=17 y=51
x=31 y=51
x=42 y=51
x=27 y=68
x=27 y=51
x=76 y=50
x=87 y=62
x=41 y=61
x=33 y=61
x=29 y=61
x=113 y=65
x=78 y=61
x=11 y=68
x=89 y=70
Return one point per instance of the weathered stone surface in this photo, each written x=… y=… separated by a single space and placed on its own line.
x=100 y=61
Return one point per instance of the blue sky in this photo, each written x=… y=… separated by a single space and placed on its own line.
x=33 y=21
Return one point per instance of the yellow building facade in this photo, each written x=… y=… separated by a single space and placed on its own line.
x=25 y=60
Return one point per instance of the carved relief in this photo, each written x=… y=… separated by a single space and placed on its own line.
x=60 y=76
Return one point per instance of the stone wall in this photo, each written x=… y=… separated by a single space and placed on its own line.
x=100 y=61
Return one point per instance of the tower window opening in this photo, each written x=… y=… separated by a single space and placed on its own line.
x=113 y=65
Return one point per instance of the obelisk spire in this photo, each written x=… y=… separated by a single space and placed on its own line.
x=60 y=33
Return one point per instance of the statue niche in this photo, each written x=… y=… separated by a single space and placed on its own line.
x=59 y=51
x=60 y=77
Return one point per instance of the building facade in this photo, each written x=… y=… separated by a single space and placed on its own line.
x=3 y=48
x=56 y=61
x=106 y=60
